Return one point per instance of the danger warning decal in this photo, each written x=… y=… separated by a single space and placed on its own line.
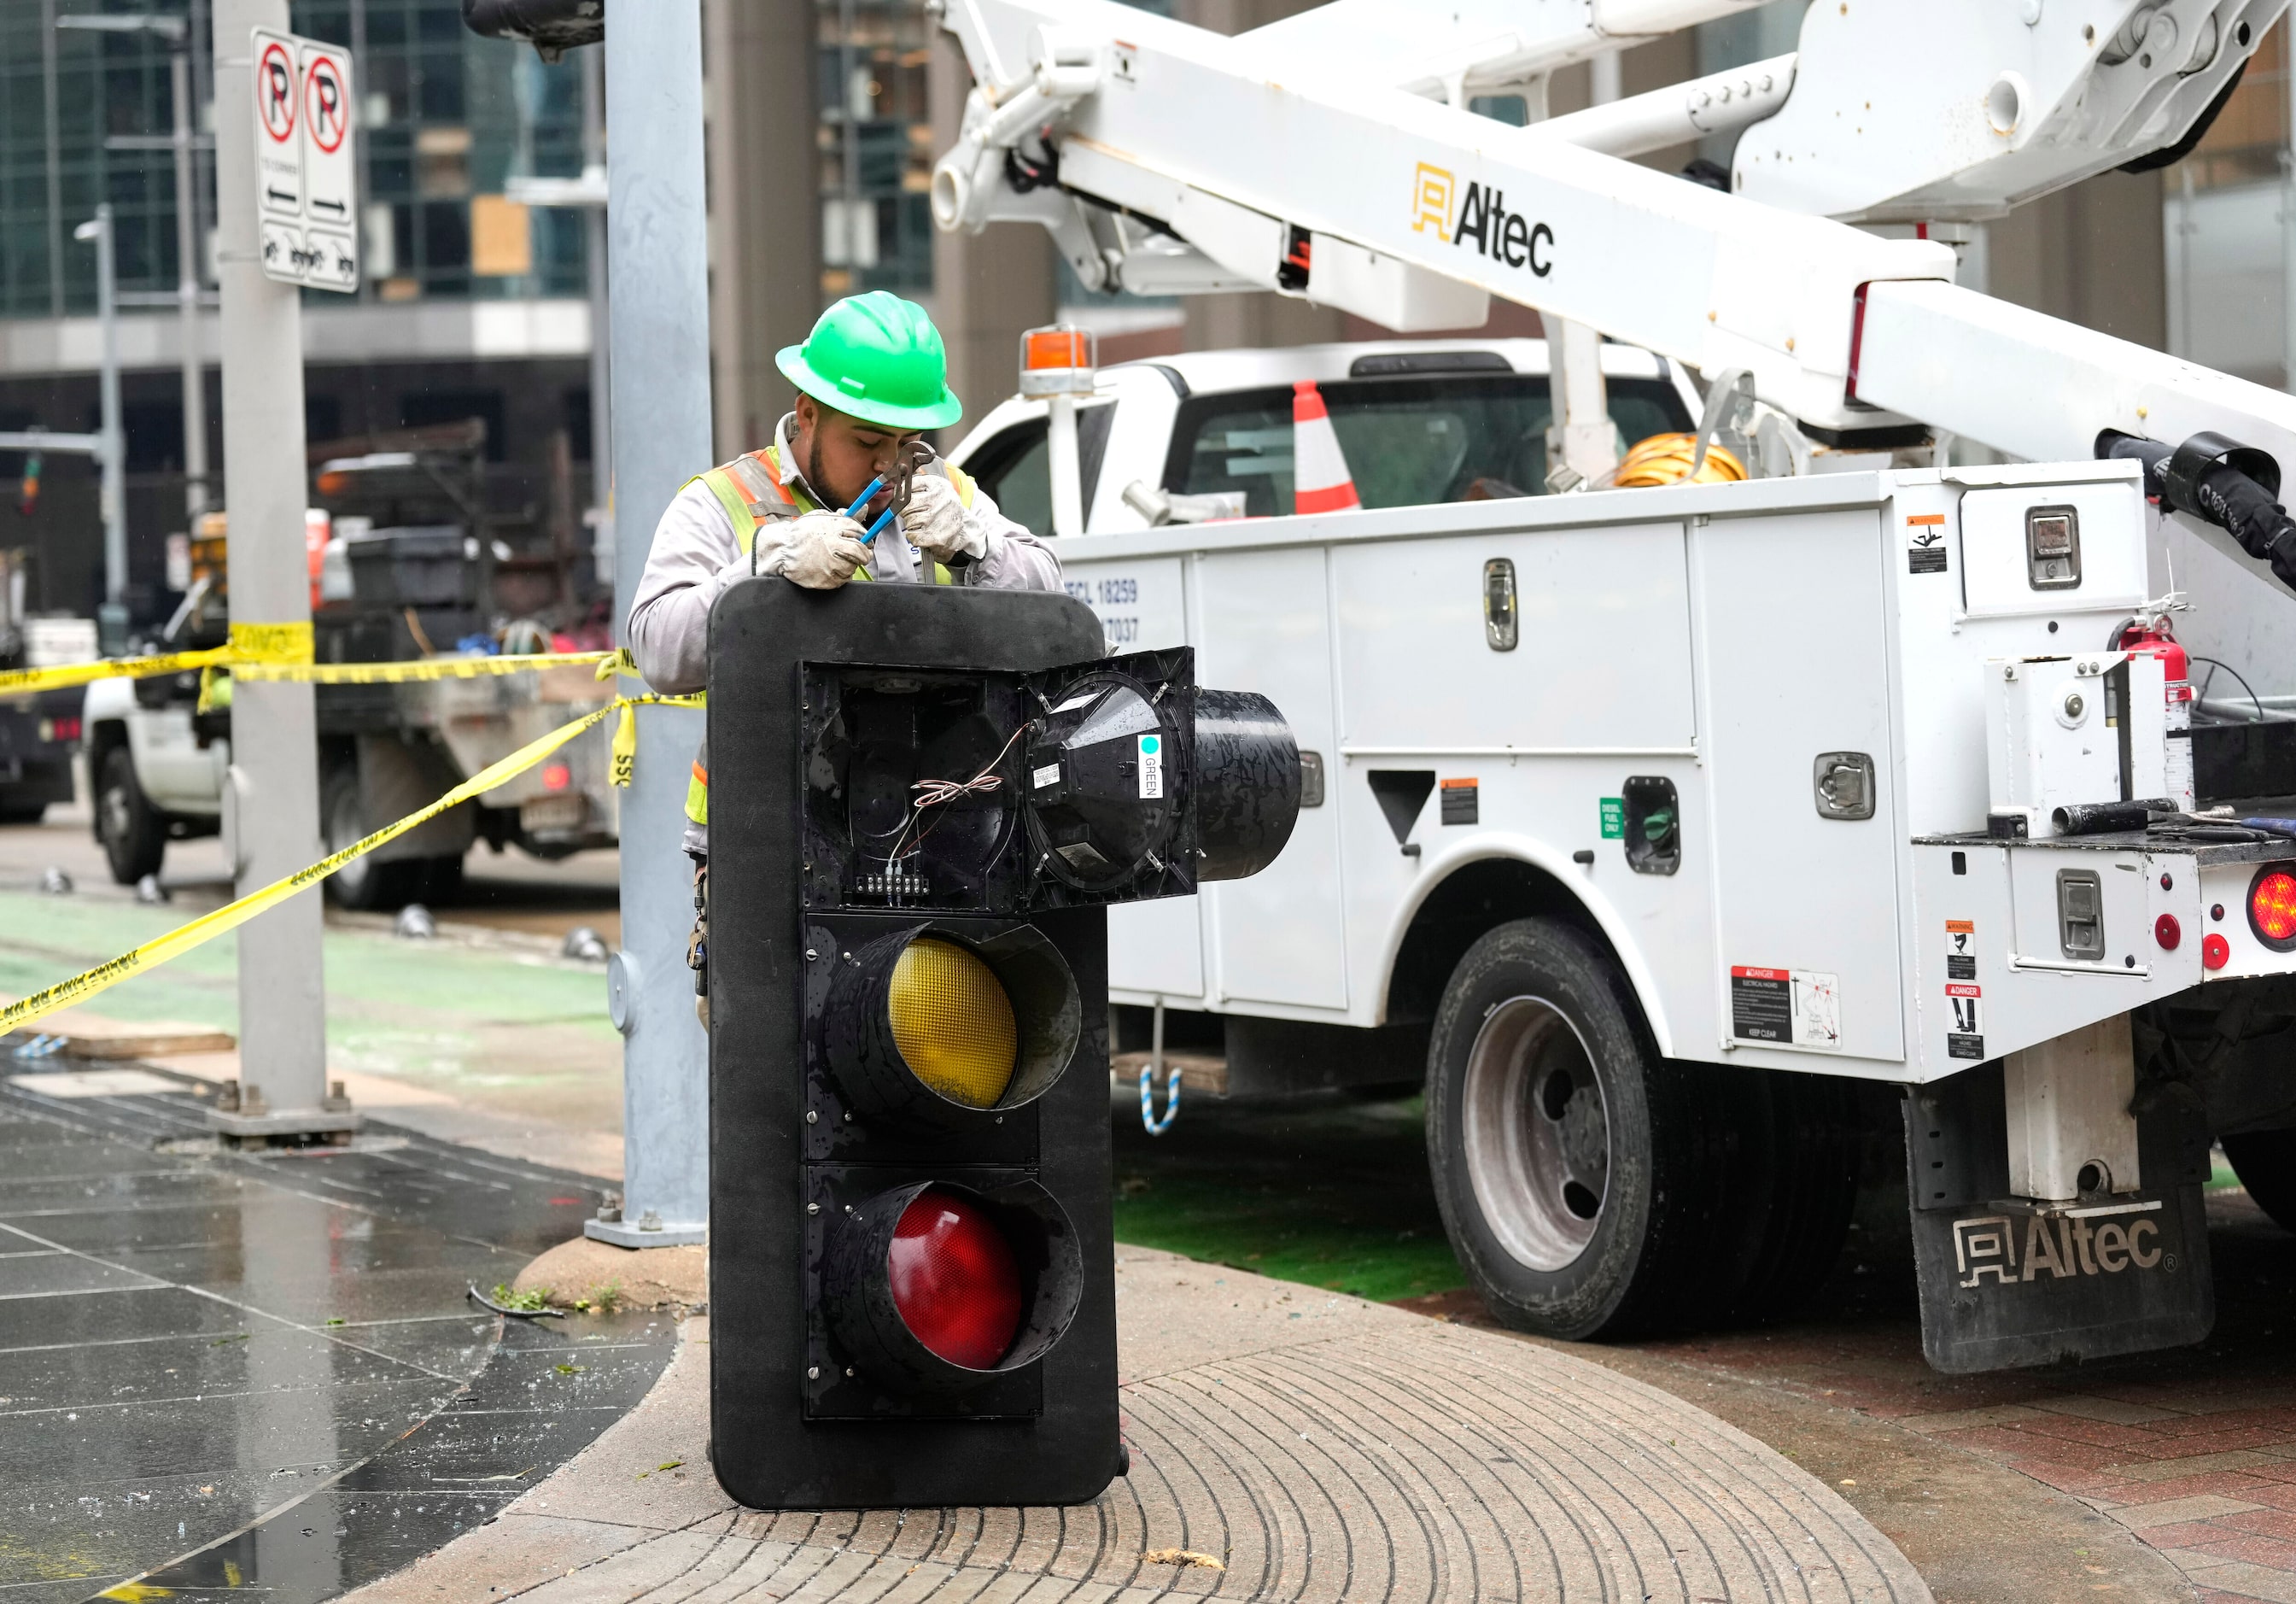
x=1925 y=543
x=1965 y=1001
x=1794 y=1007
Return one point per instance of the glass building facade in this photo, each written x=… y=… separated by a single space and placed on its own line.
x=875 y=145
x=445 y=118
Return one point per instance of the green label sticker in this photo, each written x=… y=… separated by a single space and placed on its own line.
x=1614 y=818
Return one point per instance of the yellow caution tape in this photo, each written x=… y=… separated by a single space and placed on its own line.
x=283 y=652
x=471 y=666
x=16 y=681
x=207 y=926
x=271 y=643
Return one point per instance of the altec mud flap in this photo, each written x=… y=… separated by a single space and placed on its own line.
x=2009 y=1281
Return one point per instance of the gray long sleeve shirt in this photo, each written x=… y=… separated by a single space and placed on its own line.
x=696 y=555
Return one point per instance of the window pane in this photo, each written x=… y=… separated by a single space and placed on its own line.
x=1015 y=470
x=1408 y=442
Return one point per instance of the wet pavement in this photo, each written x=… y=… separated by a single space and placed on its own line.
x=224 y=1372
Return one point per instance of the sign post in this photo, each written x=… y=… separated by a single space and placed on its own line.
x=271 y=237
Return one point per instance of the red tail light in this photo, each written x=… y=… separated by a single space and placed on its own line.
x=2272 y=907
x=557 y=777
x=955 y=1280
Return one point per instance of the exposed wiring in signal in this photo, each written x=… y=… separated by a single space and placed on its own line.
x=935 y=794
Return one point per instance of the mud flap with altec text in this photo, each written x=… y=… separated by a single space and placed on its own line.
x=2008 y=1281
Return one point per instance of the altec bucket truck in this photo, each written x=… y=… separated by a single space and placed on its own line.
x=1757 y=798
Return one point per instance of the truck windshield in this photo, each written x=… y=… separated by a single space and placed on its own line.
x=1409 y=441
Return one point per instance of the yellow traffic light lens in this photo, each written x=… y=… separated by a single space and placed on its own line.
x=953 y=1023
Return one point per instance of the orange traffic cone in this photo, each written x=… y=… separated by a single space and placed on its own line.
x=1320 y=481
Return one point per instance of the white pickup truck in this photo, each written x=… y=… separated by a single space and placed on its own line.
x=1659 y=833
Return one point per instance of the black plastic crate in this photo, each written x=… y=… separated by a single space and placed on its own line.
x=428 y=566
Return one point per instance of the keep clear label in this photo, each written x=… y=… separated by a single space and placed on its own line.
x=1797 y=1008
x=1152 y=766
x=1964 y=999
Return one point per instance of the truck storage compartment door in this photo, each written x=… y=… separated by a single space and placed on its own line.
x=1154 y=949
x=1265 y=625
x=1796 y=687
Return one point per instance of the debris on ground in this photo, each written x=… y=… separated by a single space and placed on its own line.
x=525 y=1305
x=1182 y=1556
x=588 y=1277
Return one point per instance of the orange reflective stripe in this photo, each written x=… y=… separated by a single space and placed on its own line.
x=701 y=773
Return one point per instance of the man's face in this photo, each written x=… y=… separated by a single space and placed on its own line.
x=840 y=455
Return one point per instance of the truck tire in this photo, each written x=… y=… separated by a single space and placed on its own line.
x=1803 y=1132
x=133 y=834
x=2265 y=1163
x=362 y=884
x=1590 y=1187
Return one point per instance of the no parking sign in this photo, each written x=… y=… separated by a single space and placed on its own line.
x=307 y=169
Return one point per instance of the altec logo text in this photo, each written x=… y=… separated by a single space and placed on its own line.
x=2076 y=1244
x=1482 y=216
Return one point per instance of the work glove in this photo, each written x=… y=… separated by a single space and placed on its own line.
x=823 y=550
x=935 y=521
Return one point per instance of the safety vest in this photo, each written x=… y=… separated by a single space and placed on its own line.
x=750 y=489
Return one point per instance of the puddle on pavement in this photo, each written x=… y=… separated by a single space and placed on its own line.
x=254 y=1372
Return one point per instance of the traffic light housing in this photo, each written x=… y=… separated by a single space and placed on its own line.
x=921 y=801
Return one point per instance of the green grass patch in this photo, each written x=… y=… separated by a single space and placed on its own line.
x=1326 y=1192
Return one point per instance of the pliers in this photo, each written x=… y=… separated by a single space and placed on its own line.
x=913 y=456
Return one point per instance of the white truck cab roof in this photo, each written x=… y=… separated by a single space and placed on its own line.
x=1445 y=414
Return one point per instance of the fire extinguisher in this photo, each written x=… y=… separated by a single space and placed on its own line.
x=2151 y=635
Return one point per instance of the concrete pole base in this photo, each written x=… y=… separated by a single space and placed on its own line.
x=285 y=1122
x=242 y=1114
x=649 y=1231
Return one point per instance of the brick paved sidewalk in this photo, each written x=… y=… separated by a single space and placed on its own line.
x=2192 y=1451
x=1321 y=1448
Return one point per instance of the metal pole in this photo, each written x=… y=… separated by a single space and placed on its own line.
x=659 y=263
x=1068 y=490
x=187 y=287
x=271 y=800
x=112 y=497
x=1581 y=444
x=594 y=240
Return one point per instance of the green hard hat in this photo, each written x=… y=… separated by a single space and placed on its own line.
x=878 y=358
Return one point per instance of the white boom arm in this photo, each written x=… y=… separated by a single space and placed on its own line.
x=1143 y=139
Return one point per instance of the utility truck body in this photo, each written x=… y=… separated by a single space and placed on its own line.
x=1662 y=829
x=1742 y=741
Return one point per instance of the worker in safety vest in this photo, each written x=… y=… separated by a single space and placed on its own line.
x=870 y=378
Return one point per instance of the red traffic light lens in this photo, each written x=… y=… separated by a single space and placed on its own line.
x=955 y=1280
x=2272 y=907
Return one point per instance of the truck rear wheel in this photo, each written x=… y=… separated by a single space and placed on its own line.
x=2265 y=1163
x=133 y=836
x=1586 y=1181
x=362 y=884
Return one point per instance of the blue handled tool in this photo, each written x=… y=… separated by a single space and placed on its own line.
x=883 y=518
x=913 y=456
